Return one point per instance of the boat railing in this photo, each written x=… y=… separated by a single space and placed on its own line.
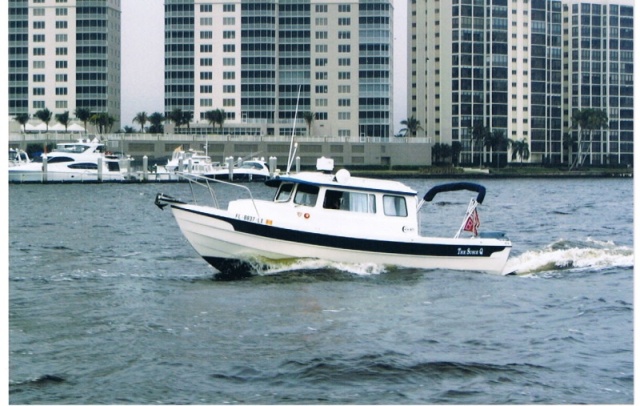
x=208 y=183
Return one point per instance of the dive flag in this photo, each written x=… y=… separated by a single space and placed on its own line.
x=473 y=222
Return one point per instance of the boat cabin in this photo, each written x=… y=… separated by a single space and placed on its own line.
x=338 y=204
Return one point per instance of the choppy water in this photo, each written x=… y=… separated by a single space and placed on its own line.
x=109 y=304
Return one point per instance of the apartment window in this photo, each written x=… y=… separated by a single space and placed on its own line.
x=322 y=115
x=322 y=35
x=38 y=91
x=229 y=48
x=321 y=8
x=344 y=61
x=322 y=21
x=321 y=89
x=228 y=102
x=344 y=8
x=206 y=89
x=206 y=61
x=38 y=12
x=206 y=48
x=229 y=62
x=61 y=64
x=61 y=51
x=229 y=21
x=61 y=37
x=61 y=24
x=61 y=104
x=344 y=21
x=206 y=8
x=38 y=1
x=322 y=102
x=61 y=77
x=322 y=48
x=38 y=64
x=38 y=38
x=206 y=102
x=38 y=104
x=344 y=133
x=206 y=21
x=344 y=48
x=344 y=102
x=322 y=75
x=229 y=75
x=206 y=75
x=344 y=115
x=61 y=11
x=206 y=34
x=344 y=34
x=38 y=78
x=61 y=91
x=321 y=61
x=228 y=34
x=228 y=89
x=38 y=25
x=344 y=89
x=344 y=75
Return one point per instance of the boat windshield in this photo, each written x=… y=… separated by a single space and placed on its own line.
x=284 y=192
x=306 y=195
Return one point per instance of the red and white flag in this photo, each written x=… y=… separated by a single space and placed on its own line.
x=473 y=222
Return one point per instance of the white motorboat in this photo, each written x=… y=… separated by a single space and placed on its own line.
x=333 y=217
x=249 y=170
x=82 y=161
x=184 y=162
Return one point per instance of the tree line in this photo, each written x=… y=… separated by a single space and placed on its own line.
x=102 y=121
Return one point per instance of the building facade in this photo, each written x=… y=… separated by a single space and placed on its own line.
x=522 y=68
x=266 y=63
x=63 y=55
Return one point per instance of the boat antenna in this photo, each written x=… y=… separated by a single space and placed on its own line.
x=292 y=150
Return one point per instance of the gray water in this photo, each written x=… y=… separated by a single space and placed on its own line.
x=109 y=304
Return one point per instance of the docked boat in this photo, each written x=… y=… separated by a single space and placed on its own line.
x=334 y=217
x=191 y=161
x=82 y=161
x=249 y=170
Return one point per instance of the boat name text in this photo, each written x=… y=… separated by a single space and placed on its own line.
x=470 y=252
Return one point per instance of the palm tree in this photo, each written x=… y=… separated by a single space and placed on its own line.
x=63 y=119
x=156 y=119
x=412 y=125
x=309 y=117
x=210 y=116
x=456 y=147
x=498 y=142
x=44 y=115
x=569 y=140
x=23 y=119
x=219 y=116
x=141 y=118
x=102 y=121
x=177 y=116
x=479 y=135
x=587 y=120
x=83 y=114
x=519 y=148
x=187 y=116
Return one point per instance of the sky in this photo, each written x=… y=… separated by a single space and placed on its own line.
x=143 y=60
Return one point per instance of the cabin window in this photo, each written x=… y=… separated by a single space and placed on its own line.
x=350 y=201
x=306 y=195
x=58 y=159
x=84 y=165
x=113 y=166
x=284 y=192
x=394 y=206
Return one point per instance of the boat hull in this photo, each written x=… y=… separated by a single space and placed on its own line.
x=238 y=248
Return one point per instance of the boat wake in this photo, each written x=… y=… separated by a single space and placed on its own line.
x=563 y=255
x=308 y=264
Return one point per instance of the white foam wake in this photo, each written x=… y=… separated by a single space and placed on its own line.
x=573 y=255
x=305 y=264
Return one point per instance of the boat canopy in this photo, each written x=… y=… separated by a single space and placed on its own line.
x=455 y=186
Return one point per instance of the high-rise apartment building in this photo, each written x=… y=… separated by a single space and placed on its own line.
x=63 y=55
x=261 y=61
x=522 y=67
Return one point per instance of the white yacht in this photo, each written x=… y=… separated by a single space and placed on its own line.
x=82 y=161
